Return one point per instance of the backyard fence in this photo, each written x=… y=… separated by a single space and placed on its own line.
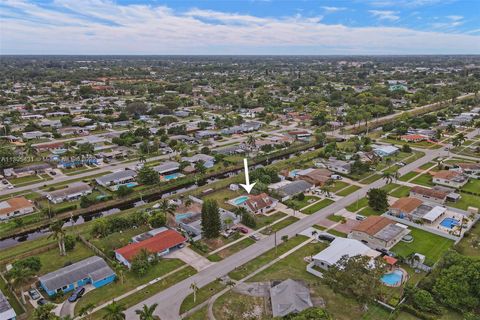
x=92 y=247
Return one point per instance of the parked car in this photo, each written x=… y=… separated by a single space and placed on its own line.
x=77 y=294
x=53 y=173
x=336 y=177
x=386 y=252
x=242 y=230
x=255 y=237
x=326 y=237
x=42 y=301
x=359 y=217
x=33 y=293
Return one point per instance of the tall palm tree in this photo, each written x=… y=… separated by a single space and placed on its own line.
x=57 y=233
x=194 y=288
x=86 y=310
x=119 y=271
x=114 y=311
x=387 y=176
x=146 y=313
x=167 y=208
x=251 y=141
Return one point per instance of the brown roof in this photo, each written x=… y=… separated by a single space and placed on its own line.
x=406 y=204
x=372 y=225
x=466 y=165
x=446 y=174
x=317 y=176
x=429 y=192
x=258 y=202
x=14 y=204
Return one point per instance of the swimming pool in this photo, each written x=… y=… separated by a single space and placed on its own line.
x=393 y=279
x=449 y=223
x=172 y=176
x=238 y=201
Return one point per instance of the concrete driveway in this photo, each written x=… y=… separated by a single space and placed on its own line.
x=190 y=257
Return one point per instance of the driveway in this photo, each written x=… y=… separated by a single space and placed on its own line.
x=190 y=257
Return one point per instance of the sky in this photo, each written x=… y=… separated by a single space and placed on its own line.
x=247 y=27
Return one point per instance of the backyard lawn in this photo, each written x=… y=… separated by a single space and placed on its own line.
x=467 y=200
x=318 y=206
x=472 y=186
x=51 y=260
x=426 y=243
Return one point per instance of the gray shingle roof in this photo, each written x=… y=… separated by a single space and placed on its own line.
x=294 y=187
x=167 y=166
x=90 y=267
x=289 y=296
x=116 y=176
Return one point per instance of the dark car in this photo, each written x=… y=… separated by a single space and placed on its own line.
x=34 y=294
x=386 y=252
x=326 y=237
x=42 y=301
x=77 y=294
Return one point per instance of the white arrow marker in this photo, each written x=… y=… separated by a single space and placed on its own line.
x=247 y=186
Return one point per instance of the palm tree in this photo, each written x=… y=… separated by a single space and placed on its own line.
x=194 y=288
x=461 y=137
x=19 y=278
x=146 y=313
x=251 y=141
x=142 y=158
x=114 y=311
x=395 y=175
x=44 y=312
x=167 y=208
x=119 y=271
x=387 y=176
x=86 y=310
x=58 y=234
x=450 y=128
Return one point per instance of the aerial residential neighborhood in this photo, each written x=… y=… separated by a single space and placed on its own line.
x=240 y=160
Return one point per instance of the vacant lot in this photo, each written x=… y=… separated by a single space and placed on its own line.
x=318 y=206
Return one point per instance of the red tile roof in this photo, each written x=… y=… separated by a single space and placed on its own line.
x=258 y=202
x=158 y=243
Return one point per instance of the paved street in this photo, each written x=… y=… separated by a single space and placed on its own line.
x=169 y=300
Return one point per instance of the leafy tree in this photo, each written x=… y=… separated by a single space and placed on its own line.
x=8 y=158
x=421 y=299
x=45 y=312
x=123 y=191
x=157 y=220
x=86 y=310
x=70 y=242
x=248 y=219
x=200 y=167
x=32 y=263
x=211 y=223
x=148 y=176
x=377 y=199
x=357 y=277
x=313 y=313
x=406 y=148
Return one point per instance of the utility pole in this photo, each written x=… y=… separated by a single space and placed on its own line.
x=275 y=235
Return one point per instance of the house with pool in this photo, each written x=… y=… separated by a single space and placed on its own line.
x=256 y=204
x=113 y=180
x=92 y=271
x=168 y=170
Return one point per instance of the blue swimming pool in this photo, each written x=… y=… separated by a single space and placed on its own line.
x=393 y=278
x=238 y=201
x=172 y=176
x=449 y=223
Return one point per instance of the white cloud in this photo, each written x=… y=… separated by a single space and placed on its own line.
x=333 y=9
x=385 y=14
x=106 y=27
x=455 y=18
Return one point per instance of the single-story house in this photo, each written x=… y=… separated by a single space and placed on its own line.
x=379 y=232
x=404 y=207
x=317 y=177
x=6 y=310
x=160 y=244
x=288 y=297
x=93 y=270
x=471 y=170
x=27 y=170
x=414 y=137
x=428 y=194
x=293 y=188
x=73 y=191
x=117 y=178
x=339 y=166
x=260 y=203
x=167 y=167
x=208 y=161
x=384 y=151
x=450 y=178
x=15 y=207
x=30 y=135
x=339 y=248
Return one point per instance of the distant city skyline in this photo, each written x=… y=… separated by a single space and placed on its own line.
x=254 y=27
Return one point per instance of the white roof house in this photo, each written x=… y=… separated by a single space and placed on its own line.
x=342 y=247
x=384 y=151
x=434 y=214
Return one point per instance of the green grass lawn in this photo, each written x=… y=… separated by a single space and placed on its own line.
x=359 y=204
x=367 y=211
x=400 y=192
x=247 y=268
x=427 y=165
x=234 y=248
x=467 y=200
x=408 y=176
x=389 y=187
x=426 y=243
x=263 y=220
x=52 y=260
x=338 y=185
x=25 y=180
x=299 y=204
x=203 y=294
x=472 y=186
x=347 y=191
x=335 y=218
x=372 y=178
x=280 y=225
x=318 y=206
x=201 y=314
x=424 y=179
x=234 y=305
x=14 y=303
x=468 y=246
x=117 y=240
